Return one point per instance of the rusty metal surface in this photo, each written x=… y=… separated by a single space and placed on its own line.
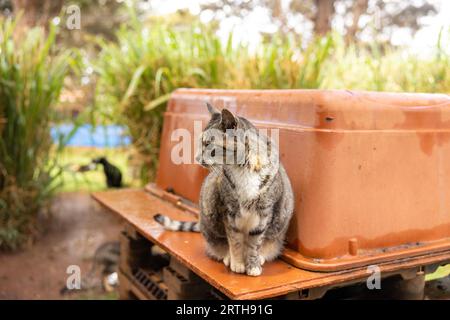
x=137 y=207
x=370 y=171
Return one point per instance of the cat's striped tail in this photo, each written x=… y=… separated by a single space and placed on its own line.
x=176 y=225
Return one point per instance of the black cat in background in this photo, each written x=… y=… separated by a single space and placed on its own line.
x=112 y=173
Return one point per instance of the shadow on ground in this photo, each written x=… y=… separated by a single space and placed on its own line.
x=78 y=227
x=438 y=289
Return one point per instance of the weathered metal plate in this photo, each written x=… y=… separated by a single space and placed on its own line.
x=370 y=171
x=137 y=207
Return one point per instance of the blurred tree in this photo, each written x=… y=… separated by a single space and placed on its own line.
x=102 y=17
x=99 y=17
x=384 y=17
x=323 y=16
x=37 y=12
x=182 y=19
x=380 y=17
x=357 y=10
x=368 y=19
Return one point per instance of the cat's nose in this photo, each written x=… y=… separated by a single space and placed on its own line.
x=200 y=160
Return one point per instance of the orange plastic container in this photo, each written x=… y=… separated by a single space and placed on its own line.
x=370 y=171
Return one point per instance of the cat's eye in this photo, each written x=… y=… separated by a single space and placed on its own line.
x=208 y=142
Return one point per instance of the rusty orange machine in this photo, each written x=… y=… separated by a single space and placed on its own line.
x=371 y=177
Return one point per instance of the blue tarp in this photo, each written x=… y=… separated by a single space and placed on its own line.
x=88 y=136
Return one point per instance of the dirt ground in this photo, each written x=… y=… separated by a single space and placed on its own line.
x=79 y=226
x=438 y=289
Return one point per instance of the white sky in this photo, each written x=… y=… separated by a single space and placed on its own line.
x=258 y=20
x=427 y=37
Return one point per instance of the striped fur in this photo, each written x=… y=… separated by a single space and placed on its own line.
x=176 y=225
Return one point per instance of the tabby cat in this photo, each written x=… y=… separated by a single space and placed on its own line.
x=245 y=204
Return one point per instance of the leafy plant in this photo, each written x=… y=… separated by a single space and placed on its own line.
x=31 y=78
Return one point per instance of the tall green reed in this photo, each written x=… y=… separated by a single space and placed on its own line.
x=370 y=68
x=31 y=78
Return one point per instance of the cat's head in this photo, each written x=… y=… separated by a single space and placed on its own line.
x=99 y=160
x=226 y=140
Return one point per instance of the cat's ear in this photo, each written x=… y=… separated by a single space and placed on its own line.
x=211 y=109
x=228 y=121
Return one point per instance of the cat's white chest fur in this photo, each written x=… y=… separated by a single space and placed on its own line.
x=248 y=184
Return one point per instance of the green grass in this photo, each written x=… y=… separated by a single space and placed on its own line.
x=114 y=295
x=355 y=67
x=441 y=272
x=90 y=181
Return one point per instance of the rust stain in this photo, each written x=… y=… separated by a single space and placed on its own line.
x=353 y=246
x=388 y=242
x=426 y=119
x=329 y=120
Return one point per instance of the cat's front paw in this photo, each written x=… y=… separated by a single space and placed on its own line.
x=226 y=260
x=236 y=266
x=261 y=260
x=254 y=271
